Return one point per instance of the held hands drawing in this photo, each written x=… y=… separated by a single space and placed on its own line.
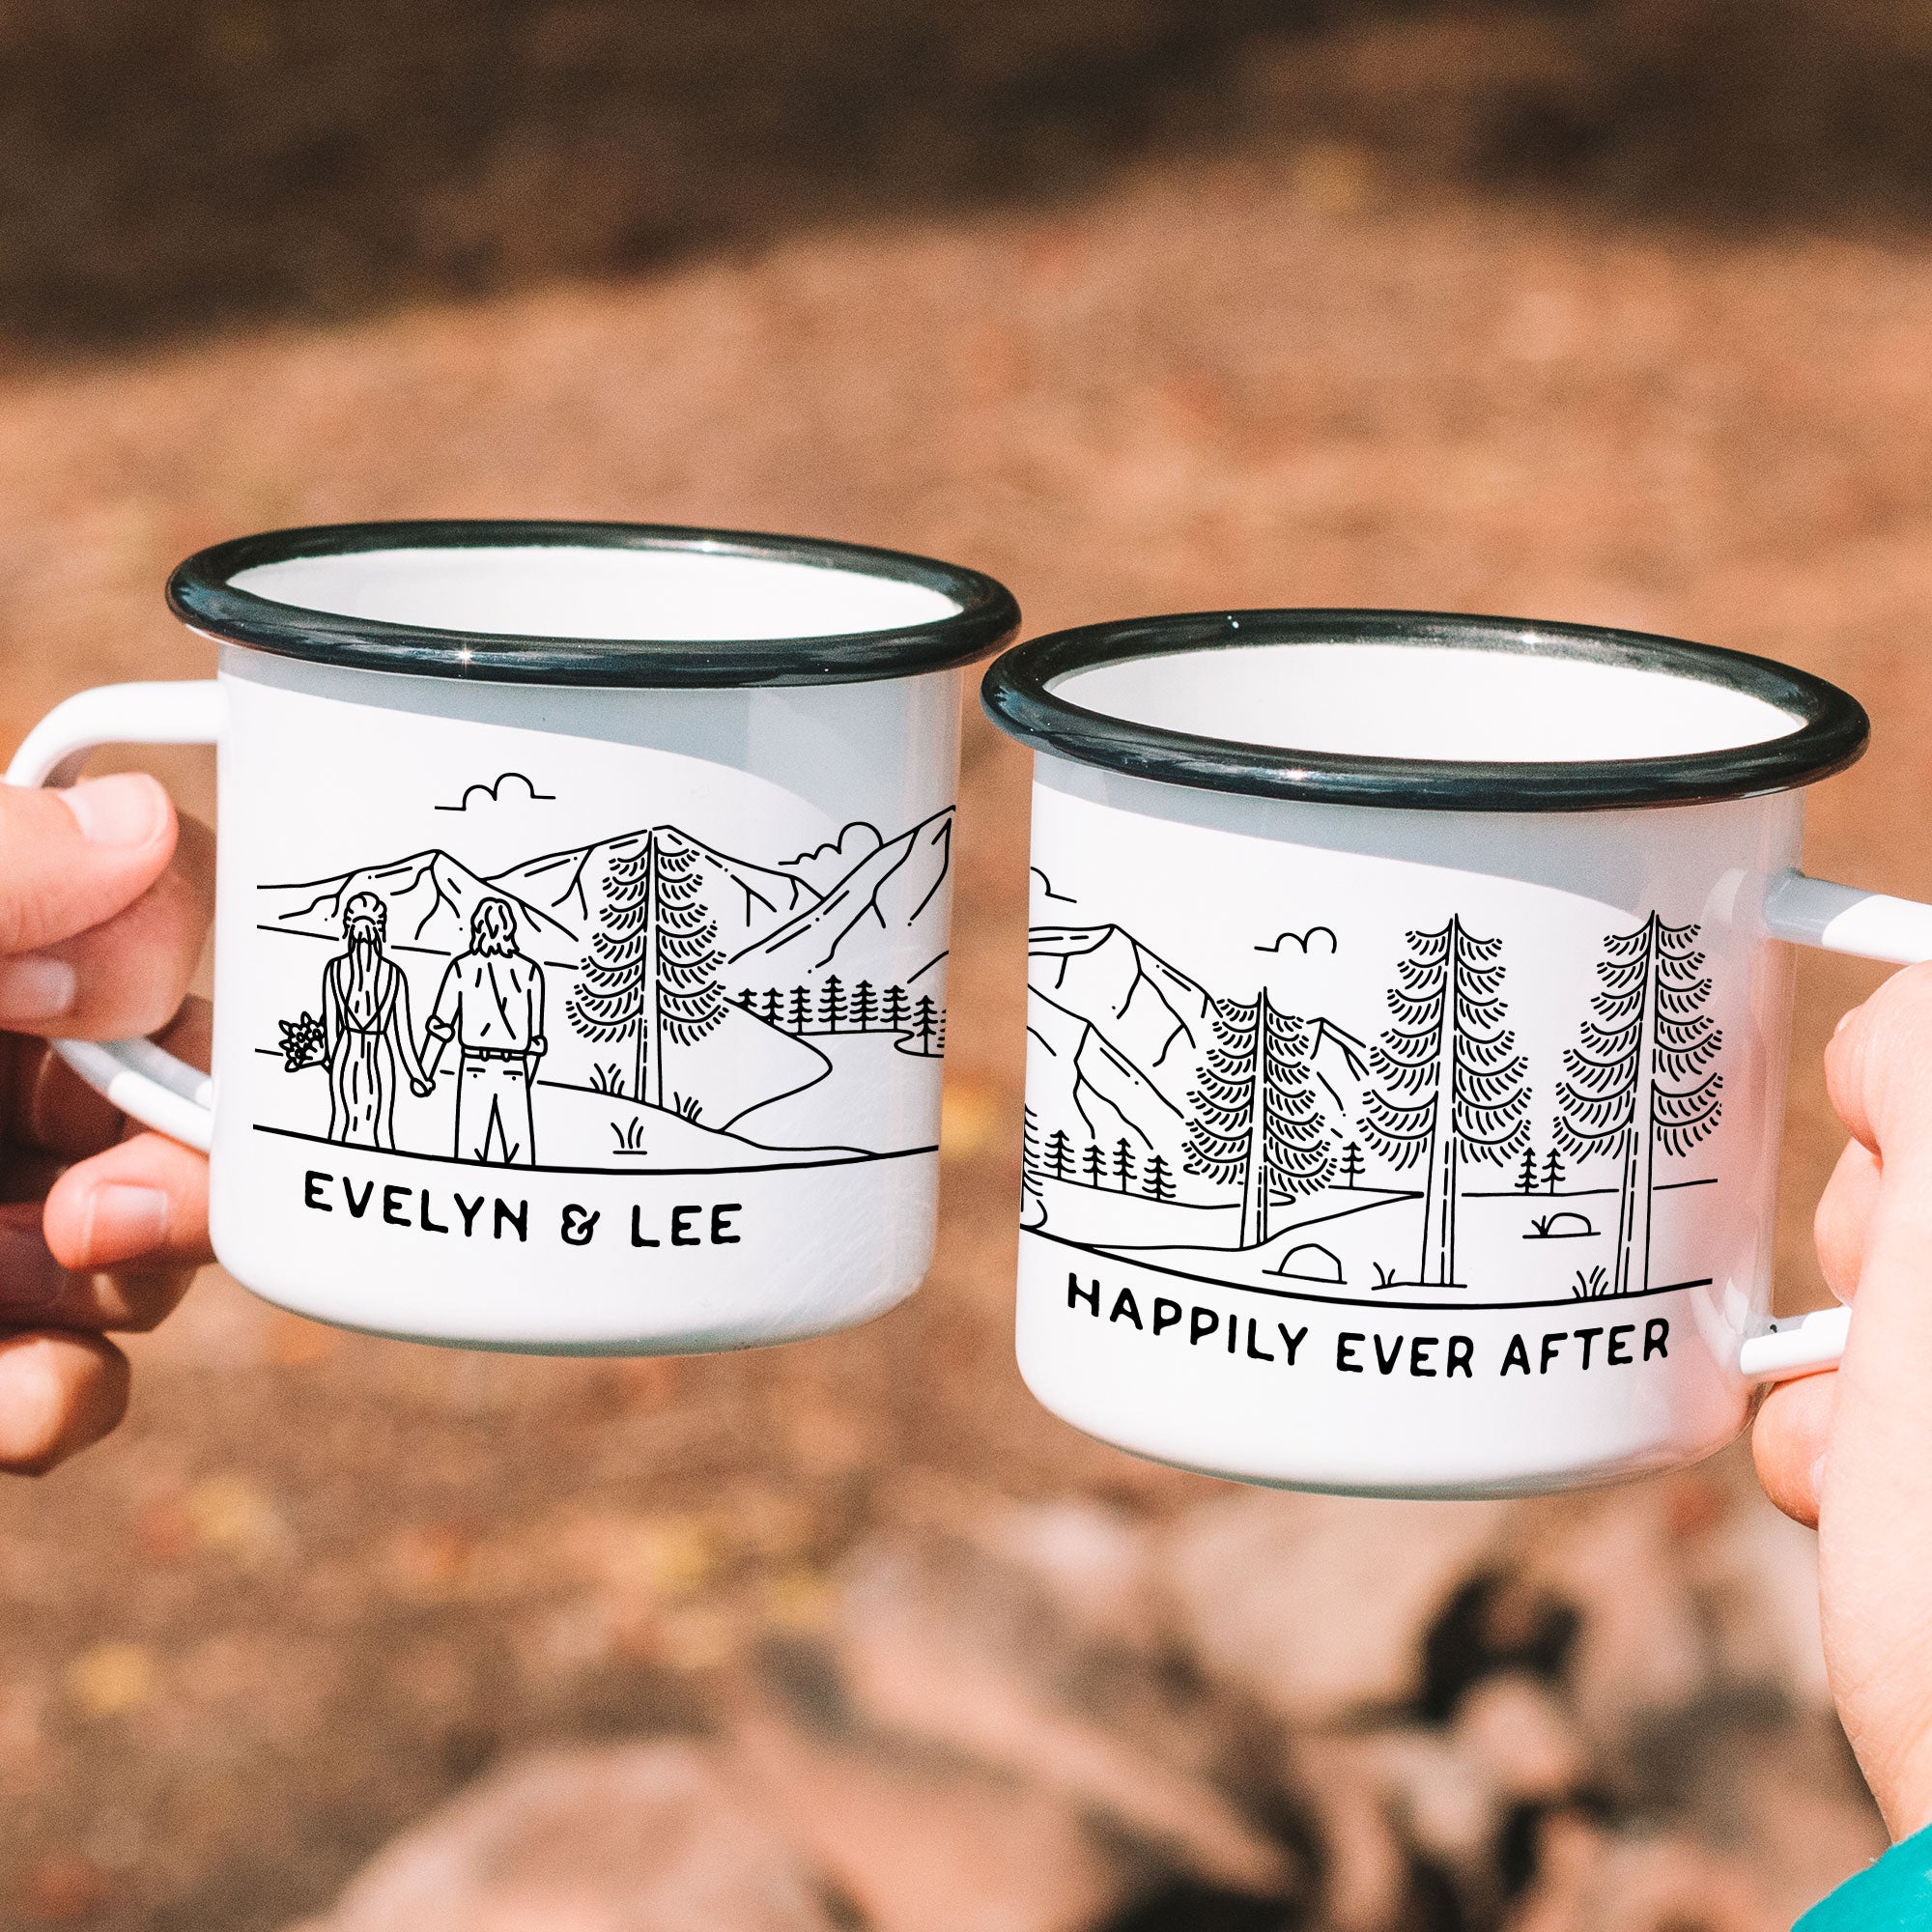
x=643 y=1004
x=1413 y=1154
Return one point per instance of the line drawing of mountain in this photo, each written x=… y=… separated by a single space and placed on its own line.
x=1119 y=1034
x=1340 y=1064
x=746 y=900
x=431 y=898
x=1118 y=1038
x=890 y=905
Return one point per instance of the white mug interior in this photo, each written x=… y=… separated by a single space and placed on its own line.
x=1423 y=703
x=595 y=592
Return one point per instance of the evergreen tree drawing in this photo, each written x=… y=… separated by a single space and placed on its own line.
x=1525 y=1174
x=1156 y=1182
x=1124 y=1164
x=1256 y=1120
x=801 y=1009
x=896 y=1008
x=652 y=974
x=831 y=1002
x=1030 y=1152
x=1640 y=1076
x=1351 y=1164
x=1451 y=1086
x=1058 y=1154
x=1553 y=1172
x=927 y=1023
x=864 y=1004
x=1095 y=1164
x=772 y=1004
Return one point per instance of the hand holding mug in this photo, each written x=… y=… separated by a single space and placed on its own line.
x=1851 y=1451
x=104 y=903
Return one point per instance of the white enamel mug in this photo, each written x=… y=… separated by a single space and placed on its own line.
x=1408 y=1040
x=582 y=923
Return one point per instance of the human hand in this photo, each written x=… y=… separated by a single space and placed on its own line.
x=104 y=900
x=1851 y=1451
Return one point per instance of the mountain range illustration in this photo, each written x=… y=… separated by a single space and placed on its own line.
x=1117 y=1038
x=797 y=985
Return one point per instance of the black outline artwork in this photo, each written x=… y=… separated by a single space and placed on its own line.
x=646 y=1003
x=1226 y=1139
x=489 y=1007
x=493 y=791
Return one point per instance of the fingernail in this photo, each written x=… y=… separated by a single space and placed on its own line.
x=122 y=1222
x=30 y=1278
x=125 y=810
x=35 y=987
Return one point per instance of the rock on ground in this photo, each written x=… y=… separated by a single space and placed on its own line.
x=1316 y=1606
x=645 y=1837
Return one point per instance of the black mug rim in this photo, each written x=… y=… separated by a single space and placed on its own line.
x=201 y=594
x=1019 y=697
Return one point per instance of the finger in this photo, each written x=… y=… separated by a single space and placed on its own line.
x=1788 y=1443
x=58 y=1394
x=1871 y=1066
x=1844 y=1215
x=141 y=1204
x=50 y=1106
x=38 y=1288
x=128 y=974
x=76 y=858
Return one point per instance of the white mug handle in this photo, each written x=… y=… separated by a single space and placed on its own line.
x=1869 y=925
x=137 y=1076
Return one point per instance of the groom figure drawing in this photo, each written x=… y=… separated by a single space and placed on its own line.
x=491 y=1004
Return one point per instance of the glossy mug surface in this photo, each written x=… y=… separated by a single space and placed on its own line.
x=581 y=925
x=1407 y=1041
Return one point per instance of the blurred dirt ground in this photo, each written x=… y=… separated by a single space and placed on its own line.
x=318 y=1582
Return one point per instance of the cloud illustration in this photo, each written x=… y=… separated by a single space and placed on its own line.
x=1304 y=942
x=505 y=789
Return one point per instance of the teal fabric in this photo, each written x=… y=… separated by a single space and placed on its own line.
x=1893 y=1895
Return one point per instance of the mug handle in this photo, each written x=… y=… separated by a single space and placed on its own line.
x=1869 y=926
x=146 y=1084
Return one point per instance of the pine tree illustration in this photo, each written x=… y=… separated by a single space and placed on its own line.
x=832 y=1002
x=1058 y=1154
x=896 y=1008
x=1525 y=1174
x=1157 y=1183
x=864 y=1005
x=1256 y=1120
x=1094 y=1165
x=1351 y=1164
x=1640 y=1075
x=1451 y=1086
x=773 y=1008
x=1030 y=1152
x=801 y=1009
x=1553 y=1172
x=1124 y=1164
x=926 y=1024
x=652 y=974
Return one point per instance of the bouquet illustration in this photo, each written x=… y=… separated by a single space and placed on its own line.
x=303 y=1043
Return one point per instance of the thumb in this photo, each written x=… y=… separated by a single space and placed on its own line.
x=76 y=858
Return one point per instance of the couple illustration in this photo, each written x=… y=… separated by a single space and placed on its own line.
x=490 y=1004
